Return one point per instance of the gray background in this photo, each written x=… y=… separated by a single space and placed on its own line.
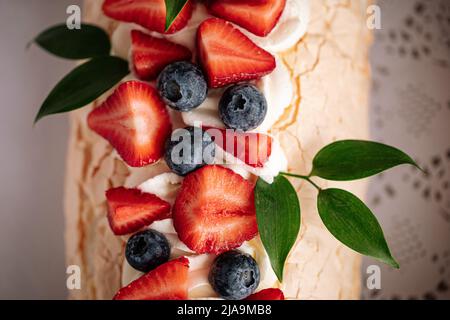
x=410 y=109
x=33 y=159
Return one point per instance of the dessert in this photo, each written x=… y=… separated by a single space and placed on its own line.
x=267 y=294
x=296 y=68
x=133 y=103
x=151 y=54
x=234 y=275
x=169 y=281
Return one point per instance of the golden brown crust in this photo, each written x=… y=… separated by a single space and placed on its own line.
x=331 y=72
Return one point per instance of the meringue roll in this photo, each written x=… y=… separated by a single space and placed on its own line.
x=317 y=94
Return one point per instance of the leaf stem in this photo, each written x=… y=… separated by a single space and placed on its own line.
x=306 y=178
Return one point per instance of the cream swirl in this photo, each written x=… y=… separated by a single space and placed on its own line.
x=289 y=30
x=278 y=89
x=276 y=163
x=166 y=186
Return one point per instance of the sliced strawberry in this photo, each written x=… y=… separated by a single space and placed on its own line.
x=135 y=121
x=183 y=17
x=267 y=294
x=150 y=14
x=214 y=211
x=169 y=281
x=254 y=149
x=129 y=210
x=257 y=16
x=150 y=54
x=228 y=56
x=249 y=1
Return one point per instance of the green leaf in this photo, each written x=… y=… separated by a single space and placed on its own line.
x=173 y=9
x=83 y=85
x=354 y=159
x=87 y=42
x=278 y=216
x=352 y=223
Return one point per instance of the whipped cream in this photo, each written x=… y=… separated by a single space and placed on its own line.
x=188 y=35
x=276 y=163
x=289 y=30
x=198 y=284
x=291 y=27
x=121 y=40
x=178 y=248
x=200 y=265
x=166 y=186
x=278 y=89
x=207 y=113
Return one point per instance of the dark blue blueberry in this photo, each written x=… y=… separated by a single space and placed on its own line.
x=189 y=149
x=146 y=250
x=182 y=86
x=243 y=107
x=234 y=275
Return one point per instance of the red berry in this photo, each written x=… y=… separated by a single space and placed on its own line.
x=150 y=14
x=169 y=281
x=129 y=210
x=228 y=56
x=135 y=121
x=254 y=149
x=267 y=294
x=214 y=211
x=257 y=16
x=150 y=54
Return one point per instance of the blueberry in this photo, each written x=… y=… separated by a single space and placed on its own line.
x=242 y=107
x=189 y=149
x=146 y=250
x=182 y=86
x=234 y=275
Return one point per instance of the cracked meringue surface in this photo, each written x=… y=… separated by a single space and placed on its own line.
x=329 y=74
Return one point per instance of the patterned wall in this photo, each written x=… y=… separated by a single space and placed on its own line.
x=411 y=109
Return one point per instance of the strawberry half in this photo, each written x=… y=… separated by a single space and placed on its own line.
x=214 y=211
x=150 y=54
x=229 y=56
x=129 y=210
x=267 y=294
x=135 y=121
x=254 y=149
x=150 y=14
x=169 y=281
x=257 y=16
